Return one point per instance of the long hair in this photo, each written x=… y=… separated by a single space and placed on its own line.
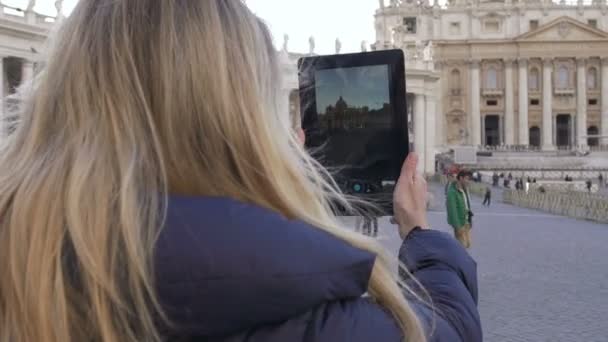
x=138 y=100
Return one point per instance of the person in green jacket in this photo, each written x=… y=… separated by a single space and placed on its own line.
x=459 y=208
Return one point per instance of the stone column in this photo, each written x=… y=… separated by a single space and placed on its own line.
x=547 y=131
x=604 y=99
x=475 y=106
x=440 y=119
x=1 y=87
x=581 y=103
x=27 y=71
x=523 y=128
x=419 y=127
x=429 y=131
x=509 y=105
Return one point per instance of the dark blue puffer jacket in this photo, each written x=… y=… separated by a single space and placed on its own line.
x=229 y=271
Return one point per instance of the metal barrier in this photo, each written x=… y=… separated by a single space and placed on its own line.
x=576 y=205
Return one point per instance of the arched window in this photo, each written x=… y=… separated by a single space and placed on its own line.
x=491 y=79
x=563 y=77
x=534 y=136
x=533 y=80
x=455 y=81
x=592 y=133
x=592 y=78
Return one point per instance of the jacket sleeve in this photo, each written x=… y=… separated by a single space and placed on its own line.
x=352 y=320
x=449 y=276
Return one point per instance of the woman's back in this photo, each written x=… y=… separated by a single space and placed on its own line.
x=261 y=277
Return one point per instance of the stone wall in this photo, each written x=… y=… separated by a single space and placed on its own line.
x=576 y=205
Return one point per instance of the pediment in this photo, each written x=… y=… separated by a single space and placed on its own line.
x=564 y=29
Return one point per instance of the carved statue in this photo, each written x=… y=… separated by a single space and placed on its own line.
x=30 y=5
x=59 y=7
x=428 y=51
x=338 y=46
x=364 y=46
x=286 y=42
x=419 y=50
x=311 y=45
x=381 y=3
x=395 y=3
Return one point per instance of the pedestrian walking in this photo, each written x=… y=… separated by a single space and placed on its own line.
x=487 y=200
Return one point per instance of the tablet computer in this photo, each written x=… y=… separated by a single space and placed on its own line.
x=355 y=119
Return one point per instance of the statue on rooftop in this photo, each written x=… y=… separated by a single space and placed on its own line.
x=364 y=46
x=311 y=45
x=286 y=42
x=30 y=5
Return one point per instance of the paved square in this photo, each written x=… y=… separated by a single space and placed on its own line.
x=541 y=277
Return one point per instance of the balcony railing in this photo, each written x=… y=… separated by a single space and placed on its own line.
x=564 y=91
x=492 y=92
x=21 y=15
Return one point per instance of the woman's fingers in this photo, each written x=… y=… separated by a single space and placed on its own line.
x=408 y=171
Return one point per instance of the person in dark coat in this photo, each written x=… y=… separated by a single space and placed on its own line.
x=487 y=199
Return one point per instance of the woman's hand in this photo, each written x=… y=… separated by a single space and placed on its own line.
x=409 y=198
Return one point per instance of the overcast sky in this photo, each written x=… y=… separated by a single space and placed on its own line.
x=350 y=20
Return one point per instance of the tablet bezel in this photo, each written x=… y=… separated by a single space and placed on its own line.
x=394 y=60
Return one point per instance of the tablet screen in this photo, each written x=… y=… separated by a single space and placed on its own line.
x=355 y=116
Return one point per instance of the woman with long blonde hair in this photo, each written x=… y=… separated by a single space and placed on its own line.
x=153 y=191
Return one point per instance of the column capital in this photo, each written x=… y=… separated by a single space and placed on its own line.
x=473 y=62
x=604 y=61
x=548 y=61
x=522 y=63
x=509 y=61
x=522 y=59
x=581 y=60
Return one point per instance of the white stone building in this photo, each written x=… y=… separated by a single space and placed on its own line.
x=23 y=33
x=531 y=73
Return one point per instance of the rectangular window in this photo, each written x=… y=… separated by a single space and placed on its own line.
x=410 y=24
x=534 y=102
x=491 y=26
x=593 y=102
x=533 y=24
x=455 y=28
x=492 y=103
x=592 y=23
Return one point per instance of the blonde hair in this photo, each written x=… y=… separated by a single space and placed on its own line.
x=139 y=99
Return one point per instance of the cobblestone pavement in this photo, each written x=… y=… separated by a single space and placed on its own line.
x=543 y=278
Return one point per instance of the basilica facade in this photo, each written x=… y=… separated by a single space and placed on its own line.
x=529 y=73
